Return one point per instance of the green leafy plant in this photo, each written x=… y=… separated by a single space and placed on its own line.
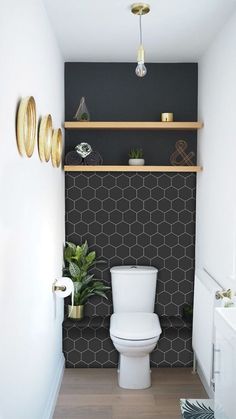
x=136 y=153
x=188 y=312
x=78 y=261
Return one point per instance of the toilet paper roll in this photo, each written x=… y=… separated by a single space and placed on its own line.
x=64 y=282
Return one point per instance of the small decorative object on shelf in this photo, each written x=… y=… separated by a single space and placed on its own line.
x=73 y=158
x=136 y=157
x=93 y=159
x=167 y=117
x=179 y=157
x=82 y=113
x=83 y=155
x=83 y=149
x=79 y=261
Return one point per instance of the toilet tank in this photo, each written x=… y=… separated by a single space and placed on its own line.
x=133 y=288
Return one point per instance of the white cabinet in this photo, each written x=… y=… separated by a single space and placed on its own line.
x=225 y=363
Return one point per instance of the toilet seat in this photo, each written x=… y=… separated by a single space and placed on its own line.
x=135 y=326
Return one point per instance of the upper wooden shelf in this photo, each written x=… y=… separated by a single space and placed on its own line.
x=142 y=125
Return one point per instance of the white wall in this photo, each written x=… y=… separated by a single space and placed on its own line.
x=31 y=218
x=216 y=185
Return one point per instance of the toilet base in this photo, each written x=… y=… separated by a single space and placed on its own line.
x=134 y=372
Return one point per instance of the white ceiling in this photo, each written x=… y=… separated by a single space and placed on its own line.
x=106 y=30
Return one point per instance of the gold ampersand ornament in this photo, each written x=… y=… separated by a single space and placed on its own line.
x=179 y=157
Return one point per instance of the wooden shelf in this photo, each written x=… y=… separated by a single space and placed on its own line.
x=140 y=125
x=133 y=168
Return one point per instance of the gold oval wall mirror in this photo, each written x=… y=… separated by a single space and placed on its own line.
x=56 y=147
x=26 y=126
x=45 y=138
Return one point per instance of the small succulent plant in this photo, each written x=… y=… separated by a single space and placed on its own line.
x=136 y=153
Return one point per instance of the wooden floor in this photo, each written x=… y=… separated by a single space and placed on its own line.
x=94 y=394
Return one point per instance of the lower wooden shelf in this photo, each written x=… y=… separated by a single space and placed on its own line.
x=133 y=168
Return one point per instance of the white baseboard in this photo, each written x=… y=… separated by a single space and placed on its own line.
x=55 y=388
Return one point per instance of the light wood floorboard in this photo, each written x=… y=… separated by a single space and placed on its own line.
x=94 y=394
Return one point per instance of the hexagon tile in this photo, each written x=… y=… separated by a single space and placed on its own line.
x=137 y=218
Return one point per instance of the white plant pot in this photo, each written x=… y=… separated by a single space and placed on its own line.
x=136 y=162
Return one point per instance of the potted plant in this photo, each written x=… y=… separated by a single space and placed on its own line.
x=136 y=157
x=78 y=262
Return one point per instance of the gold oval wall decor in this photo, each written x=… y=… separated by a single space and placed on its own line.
x=56 y=147
x=26 y=126
x=45 y=138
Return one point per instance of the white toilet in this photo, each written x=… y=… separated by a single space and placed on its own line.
x=134 y=328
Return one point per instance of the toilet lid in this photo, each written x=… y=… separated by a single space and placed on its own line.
x=135 y=326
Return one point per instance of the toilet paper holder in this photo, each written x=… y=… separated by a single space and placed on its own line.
x=58 y=287
x=63 y=287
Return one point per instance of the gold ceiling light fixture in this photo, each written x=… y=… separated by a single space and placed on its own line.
x=140 y=9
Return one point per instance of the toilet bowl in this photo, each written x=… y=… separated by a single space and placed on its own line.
x=134 y=335
x=134 y=328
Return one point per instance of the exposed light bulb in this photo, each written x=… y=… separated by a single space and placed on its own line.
x=141 y=70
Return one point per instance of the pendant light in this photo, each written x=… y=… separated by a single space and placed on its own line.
x=140 y=9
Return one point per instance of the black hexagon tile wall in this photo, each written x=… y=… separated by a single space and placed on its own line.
x=134 y=218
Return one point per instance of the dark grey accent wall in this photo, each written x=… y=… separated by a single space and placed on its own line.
x=133 y=218
x=114 y=93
